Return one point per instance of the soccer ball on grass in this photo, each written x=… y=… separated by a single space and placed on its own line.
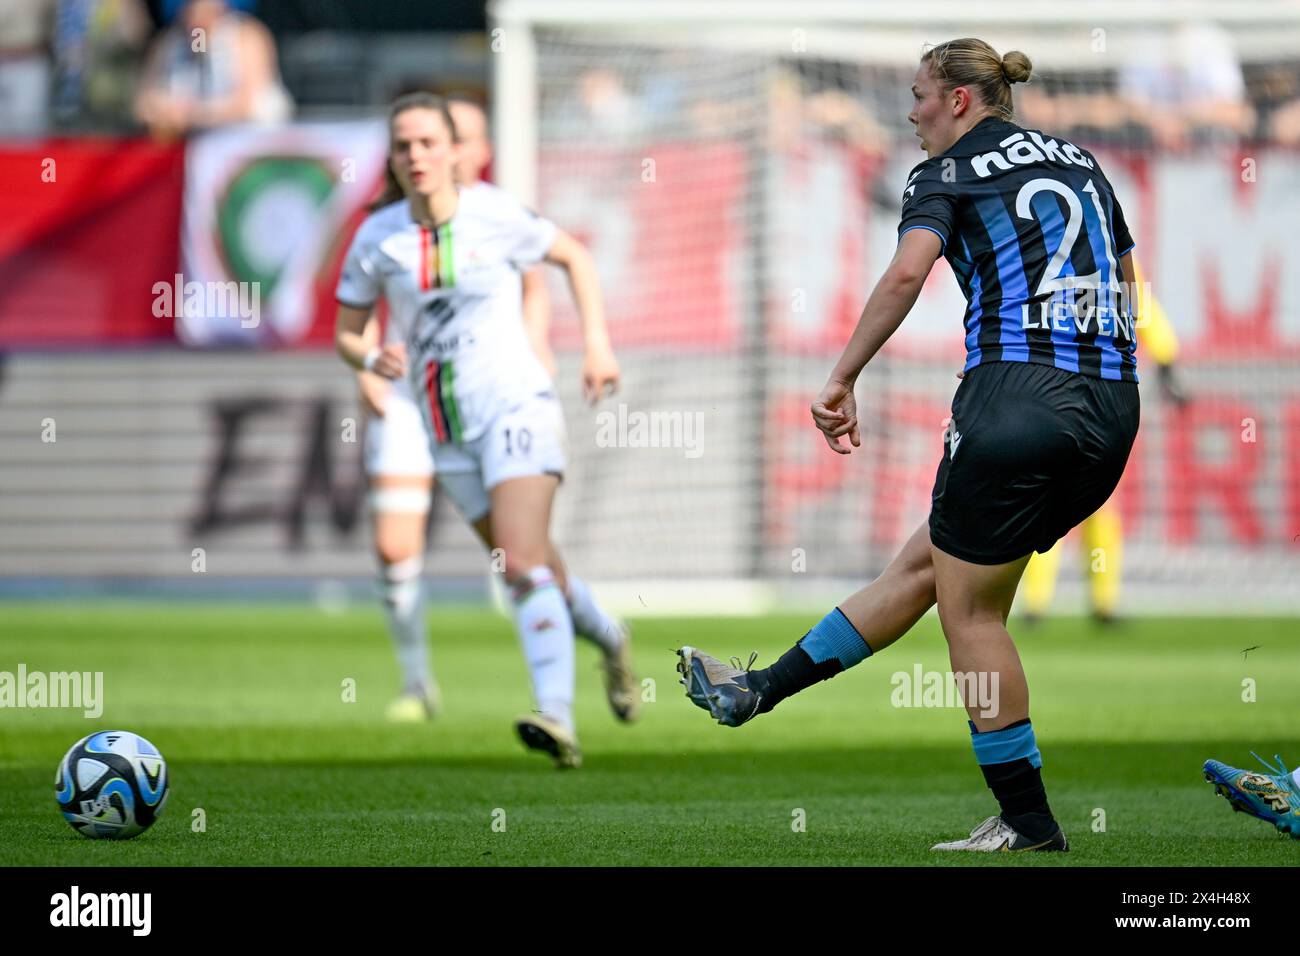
x=112 y=784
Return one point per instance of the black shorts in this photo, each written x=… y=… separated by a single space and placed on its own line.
x=1032 y=450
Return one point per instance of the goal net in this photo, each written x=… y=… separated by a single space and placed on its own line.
x=737 y=169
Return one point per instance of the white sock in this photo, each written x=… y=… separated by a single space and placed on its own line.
x=402 y=587
x=1295 y=777
x=590 y=622
x=546 y=633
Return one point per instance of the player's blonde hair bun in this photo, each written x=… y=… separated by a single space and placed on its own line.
x=971 y=62
x=1016 y=67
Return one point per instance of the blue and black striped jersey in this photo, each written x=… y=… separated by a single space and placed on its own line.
x=1034 y=234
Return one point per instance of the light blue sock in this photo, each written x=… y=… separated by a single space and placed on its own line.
x=1005 y=745
x=834 y=636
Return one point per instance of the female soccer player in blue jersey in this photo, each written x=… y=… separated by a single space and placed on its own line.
x=1042 y=423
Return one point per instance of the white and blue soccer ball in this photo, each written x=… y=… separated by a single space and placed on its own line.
x=112 y=784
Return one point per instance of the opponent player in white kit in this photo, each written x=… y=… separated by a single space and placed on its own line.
x=448 y=262
x=399 y=470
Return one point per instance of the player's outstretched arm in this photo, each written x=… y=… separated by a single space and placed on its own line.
x=835 y=410
x=600 y=372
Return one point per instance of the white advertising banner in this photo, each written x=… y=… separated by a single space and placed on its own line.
x=265 y=212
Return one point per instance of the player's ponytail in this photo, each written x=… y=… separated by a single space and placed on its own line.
x=419 y=100
x=971 y=62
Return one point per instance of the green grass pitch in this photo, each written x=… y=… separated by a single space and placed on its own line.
x=246 y=705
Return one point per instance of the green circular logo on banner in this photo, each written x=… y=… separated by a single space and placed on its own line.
x=267 y=211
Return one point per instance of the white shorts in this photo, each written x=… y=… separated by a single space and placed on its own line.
x=398 y=443
x=527 y=440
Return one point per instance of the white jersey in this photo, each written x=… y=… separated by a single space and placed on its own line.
x=455 y=298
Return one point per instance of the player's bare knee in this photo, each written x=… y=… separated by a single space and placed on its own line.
x=394 y=551
x=395 y=543
x=962 y=620
x=520 y=562
x=949 y=622
x=961 y=614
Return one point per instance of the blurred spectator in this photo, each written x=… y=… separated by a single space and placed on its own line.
x=1188 y=86
x=25 y=27
x=98 y=49
x=1096 y=113
x=212 y=66
x=1275 y=91
x=1284 y=125
x=840 y=117
x=826 y=110
x=607 y=104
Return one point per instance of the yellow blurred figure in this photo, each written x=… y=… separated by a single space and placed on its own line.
x=1102 y=535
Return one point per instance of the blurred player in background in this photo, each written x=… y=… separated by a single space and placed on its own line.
x=448 y=260
x=1042 y=423
x=1102 y=535
x=400 y=470
x=399 y=464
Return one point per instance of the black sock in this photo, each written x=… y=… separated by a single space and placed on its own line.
x=1018 y=787
x=791 y=673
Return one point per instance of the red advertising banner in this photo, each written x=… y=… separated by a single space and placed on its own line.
x=667 y=231
x=87 y=227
